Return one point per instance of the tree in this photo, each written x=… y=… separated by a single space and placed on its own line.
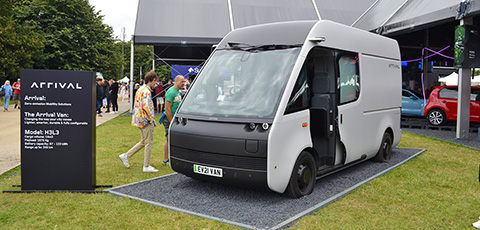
x=74 y=35
x=19 y=46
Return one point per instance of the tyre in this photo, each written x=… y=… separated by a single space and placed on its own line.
x=436 y=117
x=385 y=151
x=302 y=180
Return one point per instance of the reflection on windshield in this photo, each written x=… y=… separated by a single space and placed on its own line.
x=241 y=84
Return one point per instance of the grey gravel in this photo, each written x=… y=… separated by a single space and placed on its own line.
x=250 y=208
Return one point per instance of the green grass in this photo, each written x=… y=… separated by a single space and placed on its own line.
x=437 y=190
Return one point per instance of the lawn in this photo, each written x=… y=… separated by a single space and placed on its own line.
x=437 y=190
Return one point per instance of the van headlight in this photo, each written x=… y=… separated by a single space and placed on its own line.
x=265 y=126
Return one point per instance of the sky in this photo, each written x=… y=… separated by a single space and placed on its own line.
x=118 y=14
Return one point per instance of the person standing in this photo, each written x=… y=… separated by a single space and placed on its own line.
x=172 y=101
x=16 y=93
x=160 y=93
x=123 y=90
x=143 y=118
x=100 y=95
x=8 y=92
x=114 y=95
x=106 y=99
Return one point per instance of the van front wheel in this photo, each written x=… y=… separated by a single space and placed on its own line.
x=302 y=180
x=385 y=151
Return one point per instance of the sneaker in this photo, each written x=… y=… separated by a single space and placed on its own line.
x=166 y=163
x=124 y=159
x=15 y=106
x=112 y=112
x=100 y=115
x=476 y=224
x=149 y=169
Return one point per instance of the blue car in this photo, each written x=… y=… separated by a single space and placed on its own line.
x=412 y=103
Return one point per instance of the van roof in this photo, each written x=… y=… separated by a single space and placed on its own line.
x=336 y=36
x=281 y=33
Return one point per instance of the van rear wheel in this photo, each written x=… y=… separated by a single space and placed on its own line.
x=385 y=151
x=302 y=180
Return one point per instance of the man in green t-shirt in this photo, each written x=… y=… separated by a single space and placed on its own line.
x=172 y=101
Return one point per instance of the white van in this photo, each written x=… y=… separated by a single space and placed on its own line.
x=280 y=105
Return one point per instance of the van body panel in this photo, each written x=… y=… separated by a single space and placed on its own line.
x=287 y=139
x=350 y=129
x=342 y=37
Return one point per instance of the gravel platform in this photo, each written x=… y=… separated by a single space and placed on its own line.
x=472 y=140
x=250 y=208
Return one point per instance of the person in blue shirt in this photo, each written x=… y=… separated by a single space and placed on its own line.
x=8 y=92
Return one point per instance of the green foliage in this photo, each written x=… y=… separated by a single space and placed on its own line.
x=163 y=72
x=19 y=46
x=73 y=35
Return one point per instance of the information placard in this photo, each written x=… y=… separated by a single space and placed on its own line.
x=58 y=124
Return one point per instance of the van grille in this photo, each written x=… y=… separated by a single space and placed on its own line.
x=240 y=162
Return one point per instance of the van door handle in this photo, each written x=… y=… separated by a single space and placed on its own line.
x=341 y=118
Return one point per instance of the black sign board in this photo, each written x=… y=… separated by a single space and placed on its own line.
x=58 y=130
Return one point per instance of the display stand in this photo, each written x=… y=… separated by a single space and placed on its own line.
x=58 y=131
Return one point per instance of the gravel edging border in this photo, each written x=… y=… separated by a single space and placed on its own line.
x=344 y=193
x=110 y=190
x=251 y=225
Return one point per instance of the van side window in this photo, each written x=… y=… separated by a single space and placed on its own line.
x=349 y=78
x=300 y=98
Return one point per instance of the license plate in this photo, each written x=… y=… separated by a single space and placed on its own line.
x=209 y=171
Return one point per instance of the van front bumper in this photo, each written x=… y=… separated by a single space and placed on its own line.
x=247 y=178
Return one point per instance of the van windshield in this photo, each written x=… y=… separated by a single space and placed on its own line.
x=239 y=83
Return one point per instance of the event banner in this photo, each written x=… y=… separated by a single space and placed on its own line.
x=58 y=130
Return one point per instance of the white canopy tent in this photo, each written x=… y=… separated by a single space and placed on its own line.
x=452 y=79
x=124 y=80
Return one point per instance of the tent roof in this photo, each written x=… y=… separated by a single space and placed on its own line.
x=206 y=22
x=397 y=16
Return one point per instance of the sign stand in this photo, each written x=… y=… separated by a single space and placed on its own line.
x=58 y=131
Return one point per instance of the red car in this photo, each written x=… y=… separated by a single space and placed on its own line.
x=442 y=105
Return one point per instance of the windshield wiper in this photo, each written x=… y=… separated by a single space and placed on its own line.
x=273 y=47
x=250 y=48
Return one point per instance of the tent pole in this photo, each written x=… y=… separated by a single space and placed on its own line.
x=153 y=58
x=463 y=105
x=132 y=97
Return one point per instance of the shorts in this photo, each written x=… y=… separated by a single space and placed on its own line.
x=16 y=97
x=160 y=101
x=166 y=124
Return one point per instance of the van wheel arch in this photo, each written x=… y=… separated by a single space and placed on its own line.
x=303 y=177
x=314 y=154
